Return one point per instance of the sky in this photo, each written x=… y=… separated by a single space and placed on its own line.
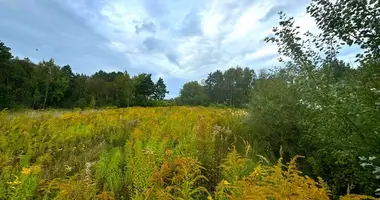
x=178 y=40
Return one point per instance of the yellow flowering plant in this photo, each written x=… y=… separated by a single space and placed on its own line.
x=139 y=153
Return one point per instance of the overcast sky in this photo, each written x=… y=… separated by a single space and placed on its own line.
x=179 y=40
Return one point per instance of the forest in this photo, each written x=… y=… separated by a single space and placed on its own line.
x=309 y=129
x=25 y=84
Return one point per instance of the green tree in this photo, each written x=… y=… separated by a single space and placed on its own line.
x=80 y=89
x=100 y=89
x=160 y=90
x=246 y=82
x=46 y=84
x=124 y=86
x=144 y=88
x=92 y=102
x=68 y=100
x=52 y=83
x=36 y=98
x=230 y=81
x=5 y=73
x=215 y=87
x=352 y=21
x=81 y=103
x=23 y=83
x=231 y=87
x=193 y=93
x=317 y=106
x=238 y=85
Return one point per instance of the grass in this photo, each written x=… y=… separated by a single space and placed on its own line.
x=136 y=153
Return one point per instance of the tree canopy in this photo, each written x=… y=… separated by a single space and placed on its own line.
x=46 y=84
x=319 y=106
x=230 y=88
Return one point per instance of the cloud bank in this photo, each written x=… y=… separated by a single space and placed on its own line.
x=177 y=40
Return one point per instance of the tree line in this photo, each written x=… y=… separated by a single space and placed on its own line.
x=24 y=84
x=229 y=88
x=46 y=84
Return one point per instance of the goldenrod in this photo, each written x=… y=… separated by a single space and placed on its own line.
x=26 y=171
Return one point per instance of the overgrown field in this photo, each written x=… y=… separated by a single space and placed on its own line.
x=140 y=153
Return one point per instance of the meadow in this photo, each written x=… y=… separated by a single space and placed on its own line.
x=141 y=153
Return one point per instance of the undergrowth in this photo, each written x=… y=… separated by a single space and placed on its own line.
x=141 y=153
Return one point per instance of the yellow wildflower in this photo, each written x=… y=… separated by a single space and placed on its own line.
x=26 y=171
x=209 y=198
x=225 y=182
x=257 y=171
x=15 y=182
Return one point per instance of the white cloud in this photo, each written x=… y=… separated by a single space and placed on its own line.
x=268 y=50
x=179 y=40
x=232 y=33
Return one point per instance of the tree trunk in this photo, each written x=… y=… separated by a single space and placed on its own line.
x=46 y=93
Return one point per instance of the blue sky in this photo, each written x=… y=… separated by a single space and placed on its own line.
x=178 y=40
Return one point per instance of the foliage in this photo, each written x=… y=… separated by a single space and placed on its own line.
x=229 y=88
x=24 y=84
x=233 y=166
x=315 y=105
x=272 y=182
x=137 y=153
x=370 y=162
x=24 y=186
x=72 y=188
x=354 y=22
x=192 y=93
x=319 y=107
x=144 y=88
x=160 y=90
x=108 y=170
x=176 y=179
x=108 y=153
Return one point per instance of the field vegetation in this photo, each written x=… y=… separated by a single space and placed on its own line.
x=309 y=129
x=141 y=153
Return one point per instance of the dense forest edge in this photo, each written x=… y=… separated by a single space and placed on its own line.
x=25 y=84
x=315 y=106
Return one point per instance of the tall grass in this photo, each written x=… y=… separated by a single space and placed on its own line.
x=134 y=153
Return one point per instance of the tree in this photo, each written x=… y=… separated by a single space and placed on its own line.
x=193 y=93
x=52 y=82
x=5 y=73
x=68 y=98
x=160 y=90
x=317 y=106
x=100 y=89
x=230 y=81
x=247 y=83
x=80 y=89
x=352 y=21
x=231 y=87
x=46 y=84
x=5 y=53
x=23 y=84
x=92 y=102
x=215 y=87
x=124 y=86
x=81 y=103
x=238 y=85
x=144 y=88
